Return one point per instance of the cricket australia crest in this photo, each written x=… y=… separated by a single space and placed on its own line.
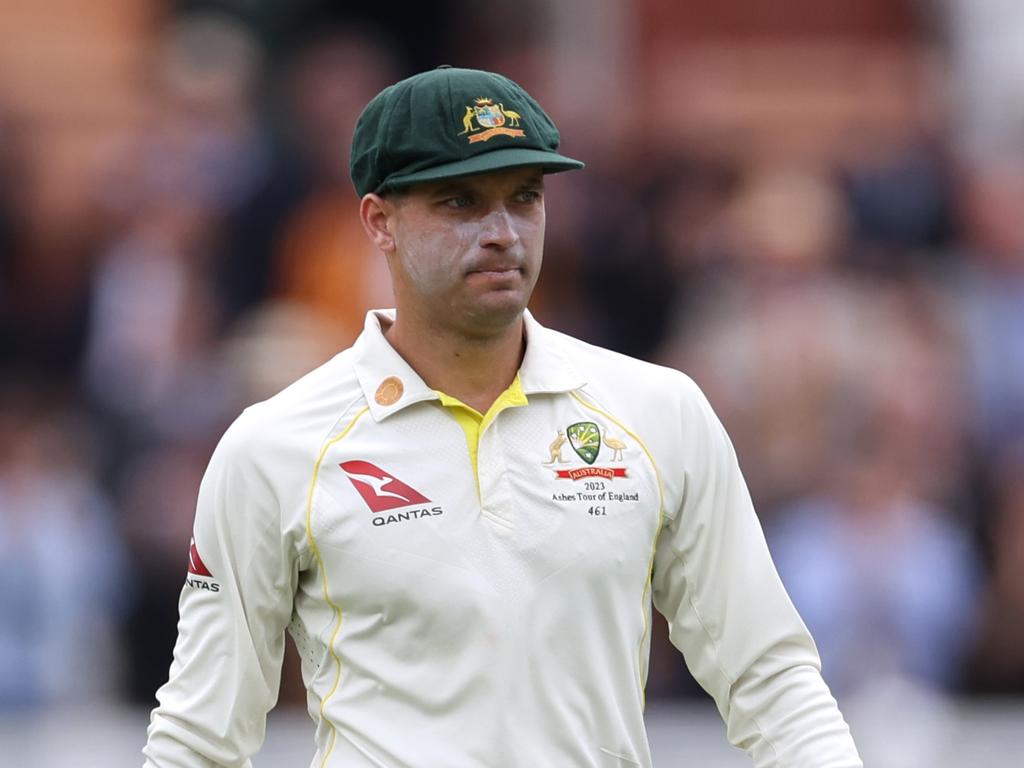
x=485 y=120
x=585 y=439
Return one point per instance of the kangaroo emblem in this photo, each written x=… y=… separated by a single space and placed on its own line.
x=555 y=449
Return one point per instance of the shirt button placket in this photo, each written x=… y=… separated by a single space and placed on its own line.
x=493 y=504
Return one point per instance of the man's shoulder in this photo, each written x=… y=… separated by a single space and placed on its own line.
x=602 y=367
x=303 y=411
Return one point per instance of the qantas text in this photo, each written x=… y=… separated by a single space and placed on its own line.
x=412 y=514
x=210 y=586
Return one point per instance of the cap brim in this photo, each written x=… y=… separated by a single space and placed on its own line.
x=496 y=160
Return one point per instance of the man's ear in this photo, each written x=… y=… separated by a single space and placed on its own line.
x=376 y=214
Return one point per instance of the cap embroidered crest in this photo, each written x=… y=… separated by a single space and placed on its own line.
x=492 y=117
x=447 y=123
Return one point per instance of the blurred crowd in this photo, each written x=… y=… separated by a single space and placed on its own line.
x=855 y=315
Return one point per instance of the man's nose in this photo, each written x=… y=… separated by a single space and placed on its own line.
x=498 y=230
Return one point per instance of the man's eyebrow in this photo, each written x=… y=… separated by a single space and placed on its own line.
x=451 y=187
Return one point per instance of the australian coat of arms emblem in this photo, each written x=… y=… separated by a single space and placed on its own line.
x=485 y=119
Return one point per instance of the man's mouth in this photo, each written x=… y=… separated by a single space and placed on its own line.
x=496 y=270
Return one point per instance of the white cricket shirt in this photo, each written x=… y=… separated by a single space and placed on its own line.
x=494 y=616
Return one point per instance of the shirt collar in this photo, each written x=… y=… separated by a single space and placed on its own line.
x=390 y=384
x=546 y=367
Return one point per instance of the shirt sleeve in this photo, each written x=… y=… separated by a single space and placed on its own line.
x=225 y=674
x=730 y=616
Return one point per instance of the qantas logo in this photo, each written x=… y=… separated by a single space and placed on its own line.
x=380 y=491
x=196 y=567
x=383 y=492
x=195 y=562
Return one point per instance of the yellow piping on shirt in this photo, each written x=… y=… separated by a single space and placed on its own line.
x=323 y=572
x=654 y=543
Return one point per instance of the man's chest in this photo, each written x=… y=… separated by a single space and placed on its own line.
x=556 y=485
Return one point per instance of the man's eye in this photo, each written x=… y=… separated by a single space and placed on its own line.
x=528 y=196
x=459 y=201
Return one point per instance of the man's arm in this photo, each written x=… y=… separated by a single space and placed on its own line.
x=227 y=660
x=730 y=616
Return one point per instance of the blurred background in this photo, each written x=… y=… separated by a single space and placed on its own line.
x=815 y=210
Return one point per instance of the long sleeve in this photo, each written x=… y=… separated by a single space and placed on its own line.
x=730 y=616
x=227 y=661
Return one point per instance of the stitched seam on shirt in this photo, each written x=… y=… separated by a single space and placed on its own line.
x=703 y=624
x=323 y=573
x=307 y=550
x=644 y=611
x=617 y=756
x=718 y=653
x=508 y=525
x=363 y=751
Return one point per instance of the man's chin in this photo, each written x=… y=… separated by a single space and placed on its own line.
x=493 y=312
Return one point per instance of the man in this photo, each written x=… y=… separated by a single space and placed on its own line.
x=462 y=519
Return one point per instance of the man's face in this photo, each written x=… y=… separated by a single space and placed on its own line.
x=467 y=251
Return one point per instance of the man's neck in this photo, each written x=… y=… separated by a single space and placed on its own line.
x=474 y=370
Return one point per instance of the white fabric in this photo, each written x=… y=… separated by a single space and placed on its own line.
x=511 y=628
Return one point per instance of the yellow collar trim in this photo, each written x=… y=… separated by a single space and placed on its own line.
x=473 y=423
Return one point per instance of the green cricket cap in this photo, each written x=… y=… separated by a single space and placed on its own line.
x=451 y=122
